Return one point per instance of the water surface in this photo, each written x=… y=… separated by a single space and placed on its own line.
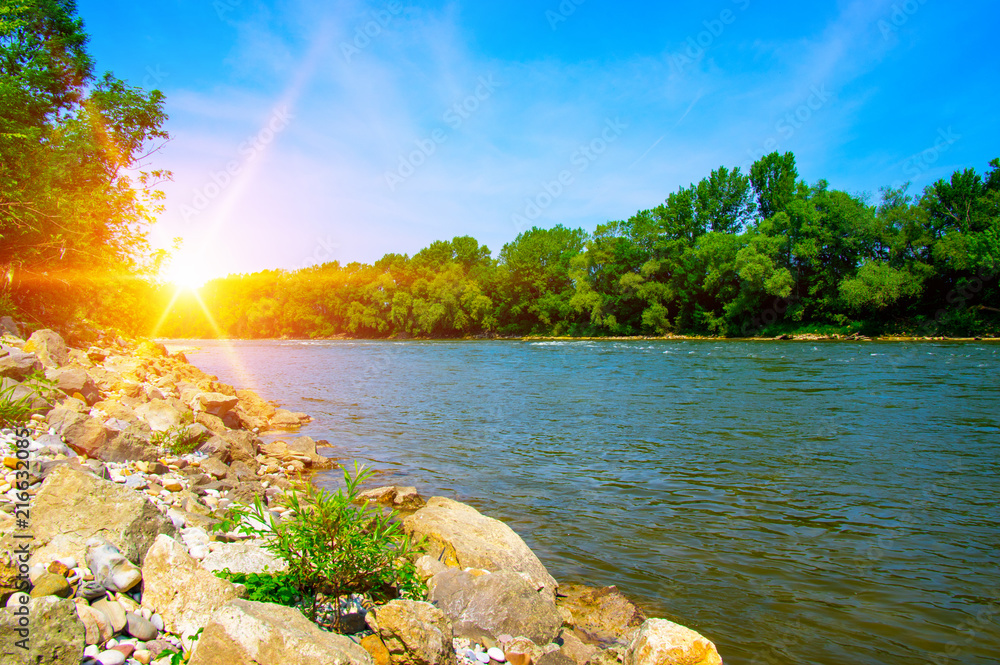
x=824 y=503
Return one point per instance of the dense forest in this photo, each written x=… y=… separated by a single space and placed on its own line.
x=737 y=254
x=733 y=255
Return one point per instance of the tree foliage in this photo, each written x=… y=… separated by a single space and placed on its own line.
x=74 y=198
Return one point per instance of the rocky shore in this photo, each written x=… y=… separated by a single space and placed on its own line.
x=108 y=495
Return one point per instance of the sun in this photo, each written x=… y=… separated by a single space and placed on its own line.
x=187 y=272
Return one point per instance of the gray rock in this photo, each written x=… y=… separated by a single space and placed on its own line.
x=90 y=590
x=215 y=404
x=243 y=557
x=140 y=628
x=111 y=569
x=215 y=467
x=245 y=632
x=415 y=633
x=17 y=364
x=56 y=634
x=494 y=604
x=49 y=346
x=75 y=382
x=73 y=506
x=130 y=444
x=159 y=414
x=179 y=589
x=461 y=536
x=113 y=611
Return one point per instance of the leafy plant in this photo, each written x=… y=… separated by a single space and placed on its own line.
x=178 y=656
x=177 y=440
x=333 y=545
x=267 y=587
x=14 y=410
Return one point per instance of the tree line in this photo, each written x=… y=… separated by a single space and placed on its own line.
x=737 y=254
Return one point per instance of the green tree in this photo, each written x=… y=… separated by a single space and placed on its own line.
x=74 y=202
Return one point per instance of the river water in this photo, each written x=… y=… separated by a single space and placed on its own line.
x=826 y=503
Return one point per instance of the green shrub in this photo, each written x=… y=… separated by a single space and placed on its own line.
x=333 y=545
x=177 y=440
x=267 y=587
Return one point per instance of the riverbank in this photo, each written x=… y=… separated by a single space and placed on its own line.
x=126 y=424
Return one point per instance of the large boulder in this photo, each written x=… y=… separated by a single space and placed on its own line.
x=601 y=616
x=461 y=536
x=243 y=447
x=662 y=642
x=75 y=383
x=179 y=589
x=55 y=635
x=243 y=557
x=73 y=506
x=248 y=633
x=494 y=604
x=49 y=347
x=414 y=633
x=129 y=444
x=159 y=414
x=18 y=365
x=82 y=433
x=287 y=420
x=215 y=404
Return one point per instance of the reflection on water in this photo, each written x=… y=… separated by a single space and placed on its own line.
x=796 y=503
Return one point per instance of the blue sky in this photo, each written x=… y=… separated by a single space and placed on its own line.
x=305 y=132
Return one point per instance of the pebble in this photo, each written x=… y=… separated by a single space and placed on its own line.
x=111 y=657
x=91 y=651
x=482 y=657
x=496 y=654
x=157 y=621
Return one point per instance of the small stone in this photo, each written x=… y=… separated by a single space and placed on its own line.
x=36 y=571
x=69 y=562
x=59 y=568
x=482 y=657
x=51 y=584
x=496 y=654
x=157 y=621
x=111 y=569
x=140 y=628
x=90 y=590
x=172 y=485
x=113 y=611
x=143 y=656
x=111 y=657
x=91 y=651
x=125 y=648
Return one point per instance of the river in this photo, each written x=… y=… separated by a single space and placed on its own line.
x=825 y=503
